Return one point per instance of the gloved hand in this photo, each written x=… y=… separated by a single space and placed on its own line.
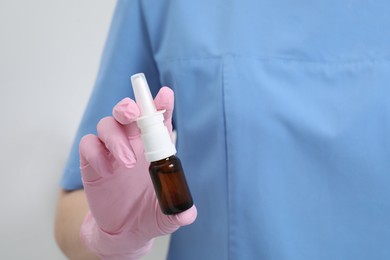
x=124 y=214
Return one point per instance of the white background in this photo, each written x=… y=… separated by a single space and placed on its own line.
x=49 y=57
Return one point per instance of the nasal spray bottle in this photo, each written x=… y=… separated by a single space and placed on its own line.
x=165 y=168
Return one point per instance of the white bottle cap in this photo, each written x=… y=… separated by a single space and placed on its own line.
x=154 y=134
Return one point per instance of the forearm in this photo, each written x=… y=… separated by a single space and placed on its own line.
x=71 y=209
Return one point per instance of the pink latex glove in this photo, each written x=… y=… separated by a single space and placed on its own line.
x=124 y=214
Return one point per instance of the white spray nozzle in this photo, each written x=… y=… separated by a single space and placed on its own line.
x=142 y=94
x=154 y=134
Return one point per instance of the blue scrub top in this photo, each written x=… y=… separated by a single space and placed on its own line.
x=283 y=121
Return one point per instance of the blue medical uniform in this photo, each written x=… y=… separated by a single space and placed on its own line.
x=283 y=119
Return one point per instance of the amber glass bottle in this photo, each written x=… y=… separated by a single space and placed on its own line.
x=170 y=185
x=165 y=168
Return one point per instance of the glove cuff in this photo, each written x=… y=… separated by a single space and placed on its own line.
x=111 y=246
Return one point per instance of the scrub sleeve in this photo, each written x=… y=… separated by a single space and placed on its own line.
x=126 y=52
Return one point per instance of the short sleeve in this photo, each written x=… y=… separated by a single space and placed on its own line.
x=127 y=51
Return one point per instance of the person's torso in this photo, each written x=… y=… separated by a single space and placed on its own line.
x=283 y=120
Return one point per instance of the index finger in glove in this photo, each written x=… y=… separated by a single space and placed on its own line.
x=126 y=113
